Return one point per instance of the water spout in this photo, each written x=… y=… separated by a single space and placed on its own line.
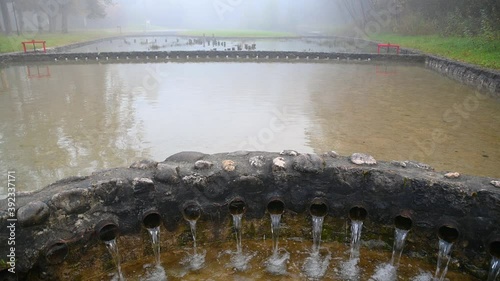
x=357 y=215
x=192 y=213
x=318 y=210
x=152 y=220
x=276 y=264
x=315 y=265
x=403 y=225
x=448 y=234
x=108 y=232
x=494 y=249
x=56 y=252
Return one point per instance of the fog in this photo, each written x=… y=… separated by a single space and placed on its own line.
x=279 y=15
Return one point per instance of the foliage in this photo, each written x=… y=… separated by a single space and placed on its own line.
x=475 y=50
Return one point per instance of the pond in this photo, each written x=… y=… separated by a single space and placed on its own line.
x=61 y=120
x=200 y=43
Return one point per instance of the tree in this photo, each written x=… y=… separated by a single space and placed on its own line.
x=7 y=24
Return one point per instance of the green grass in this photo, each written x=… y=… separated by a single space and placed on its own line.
x=474 y=50
x=238 y=33
x=12 y=43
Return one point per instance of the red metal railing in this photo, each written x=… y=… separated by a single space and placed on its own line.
x=388 y=46
x=34 y=46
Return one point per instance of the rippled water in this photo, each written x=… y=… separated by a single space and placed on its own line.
x=61 y=120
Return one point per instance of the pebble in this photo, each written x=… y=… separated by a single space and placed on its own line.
x=360 y=159
x=453 y=175
x=228 y=165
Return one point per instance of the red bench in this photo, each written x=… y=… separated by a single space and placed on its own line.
x=389 y=45
x=34 y=47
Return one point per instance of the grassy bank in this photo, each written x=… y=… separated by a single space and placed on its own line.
x=12 y=43
x=238 y=33
x=474 y=50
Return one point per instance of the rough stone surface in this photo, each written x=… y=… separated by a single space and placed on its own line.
x=362 y=159
x=289 y=153
x=257 y=161
x=332 y=154
x=144 y=164
x=203 y=165
x=72 y=201
x=122 y=195
x=33 y=213
x=228 y=165
x=279 y=164
x=452 y=175
x=418 y=165
x=495 y=183
x=399 y=164
x=308 y=163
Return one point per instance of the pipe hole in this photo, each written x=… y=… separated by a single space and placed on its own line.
x=494 y=249
x=276 y=207
x=192 y=212
x=151 y=219
x=318 y=208
x=107 y=231
x=403 y=222
x=448 y=233
x=57 y=253
x=357 y=213
x=237 y=207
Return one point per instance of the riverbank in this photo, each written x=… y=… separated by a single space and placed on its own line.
x=474 y=50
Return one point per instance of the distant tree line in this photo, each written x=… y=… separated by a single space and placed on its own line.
x=44 y=15
x=421 y=17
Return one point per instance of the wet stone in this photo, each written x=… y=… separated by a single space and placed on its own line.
x=279 y=164
x=256 y=161
x=166 y=174
x=144 y=164
x=186 y=156
x=399 y=164
x=72 y=201
x=414 y=164
x=203 y=165
x=308 y=163
x=495 y=183
x=360 y=159
x=142 y=185
x=453 y=175
x=33 y=213
x=289 y=153
x=195 y=180
x=228 y=165
x=332 y=154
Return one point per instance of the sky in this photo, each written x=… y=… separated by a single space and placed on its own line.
x=282 y=15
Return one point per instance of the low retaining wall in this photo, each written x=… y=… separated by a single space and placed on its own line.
x=67 y=212
x=241 y=56
x=479 y=78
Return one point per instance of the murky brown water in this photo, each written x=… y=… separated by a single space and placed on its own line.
x=63 y=120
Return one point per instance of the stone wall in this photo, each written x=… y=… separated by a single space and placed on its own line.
x=68 y=211
x=482 y=79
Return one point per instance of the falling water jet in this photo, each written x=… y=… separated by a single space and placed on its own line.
x=349 y=270
x=388 y=271
x=151 y=221
x=315 y=266
x=357 y=215
x=448 y=234
x=239 y=261
x=192 y=213
x=494 y=250
x=403 y=225
x=108 y=232
x=276 y=264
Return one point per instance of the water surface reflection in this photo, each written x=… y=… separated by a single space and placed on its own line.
x=85 y=117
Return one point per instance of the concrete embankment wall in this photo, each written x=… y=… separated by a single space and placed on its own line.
x=479 y=78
